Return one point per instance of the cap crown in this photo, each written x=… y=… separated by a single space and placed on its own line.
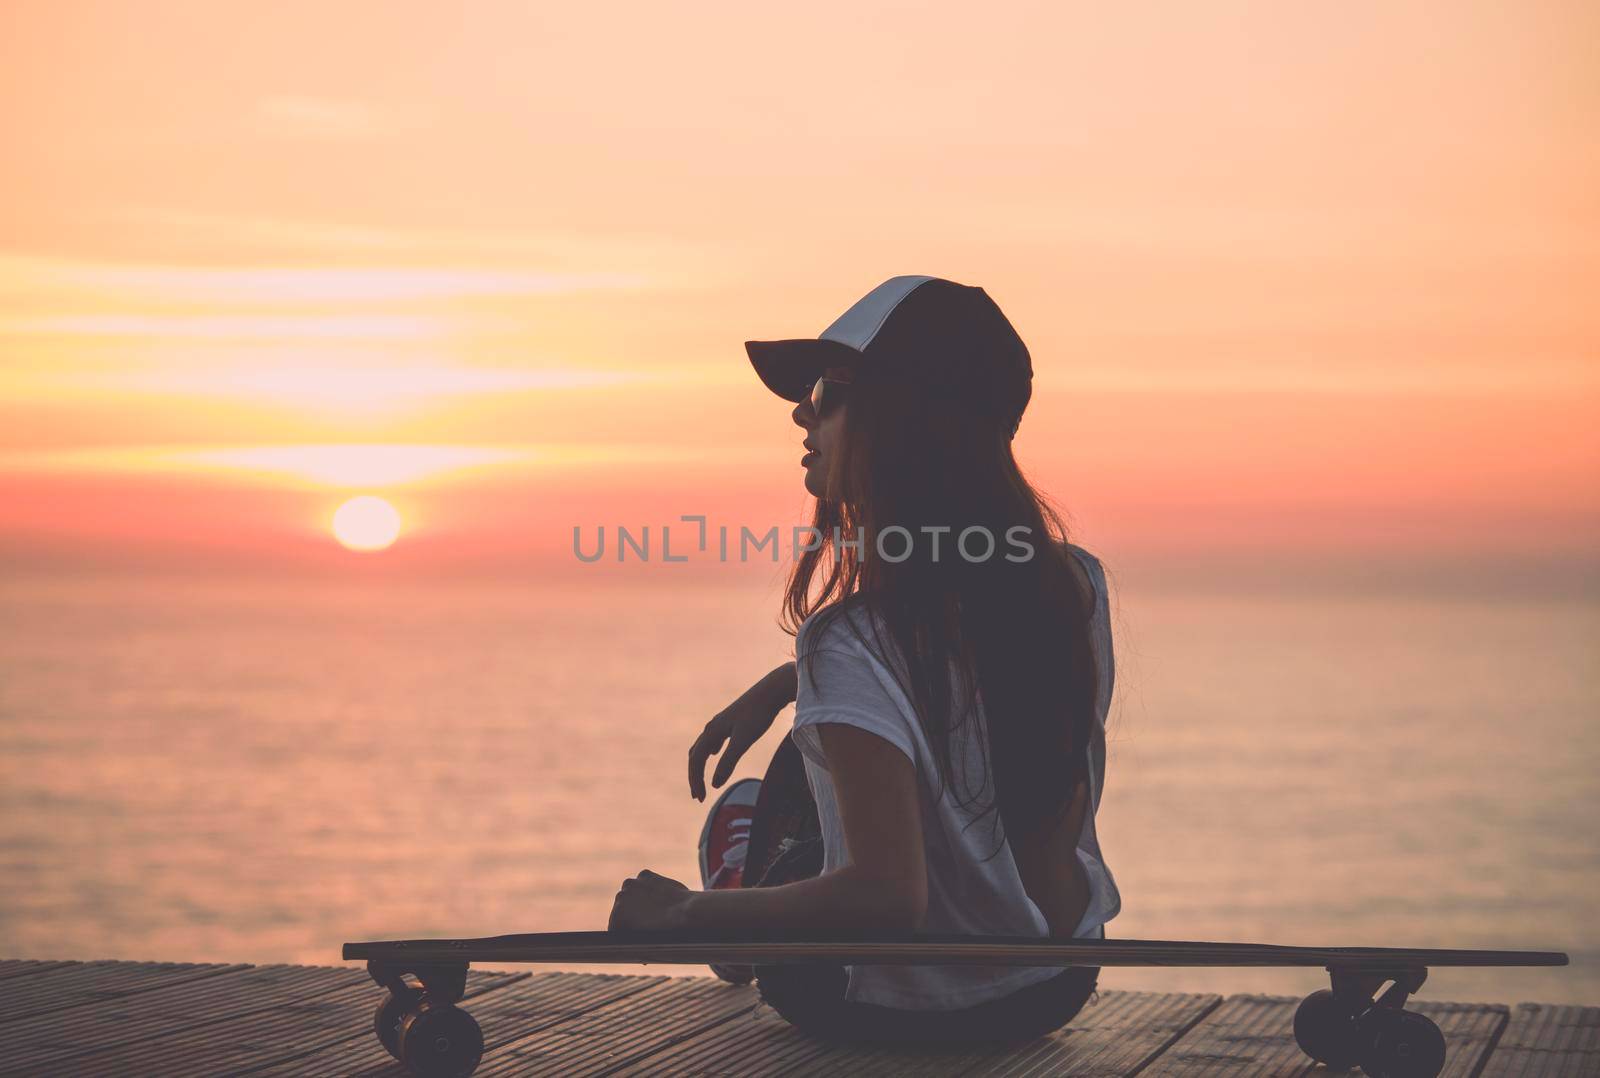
x=858 y=326
x=948 y=337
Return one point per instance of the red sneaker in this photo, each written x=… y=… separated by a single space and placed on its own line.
x=724 y=842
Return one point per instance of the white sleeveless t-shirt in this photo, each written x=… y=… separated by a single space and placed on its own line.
x=967 y=895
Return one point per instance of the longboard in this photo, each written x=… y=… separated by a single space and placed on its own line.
x=637 y=948
x=1346 y=1024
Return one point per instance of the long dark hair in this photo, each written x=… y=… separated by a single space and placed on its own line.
x=1015 y=632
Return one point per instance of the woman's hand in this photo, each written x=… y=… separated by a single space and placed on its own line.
x=738 y=726
x=650 y=902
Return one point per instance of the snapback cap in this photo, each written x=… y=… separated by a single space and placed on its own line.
x=948 y=337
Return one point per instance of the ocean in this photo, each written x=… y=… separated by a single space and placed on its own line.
x=258 y=768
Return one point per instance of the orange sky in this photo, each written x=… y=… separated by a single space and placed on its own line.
x=1293 y=280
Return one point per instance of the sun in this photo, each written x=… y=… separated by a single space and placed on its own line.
x=366 y=523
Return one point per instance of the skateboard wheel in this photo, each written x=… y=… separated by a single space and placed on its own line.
x=1326 y=1031
x=390 y=1013
x=438 y=1040
x=1401 y=1044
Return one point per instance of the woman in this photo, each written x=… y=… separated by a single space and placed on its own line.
x=953 y=674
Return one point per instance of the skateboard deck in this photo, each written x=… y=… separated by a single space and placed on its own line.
x=1356 y=1020
x=643 y=948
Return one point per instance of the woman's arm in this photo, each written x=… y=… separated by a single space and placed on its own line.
x=883 y=887
x=738 y=726
x=787 y=681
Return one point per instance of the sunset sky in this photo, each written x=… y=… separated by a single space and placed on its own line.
x=1295 y=278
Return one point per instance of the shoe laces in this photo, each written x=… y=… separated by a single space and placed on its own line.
x=738 y=843
x=737 y=850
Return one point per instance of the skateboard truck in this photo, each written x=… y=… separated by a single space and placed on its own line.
x=420 y=1025
x=443 y=981
x=1351 y=1024
x=1360 y=986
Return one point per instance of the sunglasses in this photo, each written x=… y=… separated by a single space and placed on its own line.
x=827 y=394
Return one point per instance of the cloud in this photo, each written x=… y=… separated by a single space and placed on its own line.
x=230 y=327
x=288 y=284
x=333 y=383
x=355 y=387
x=665 y=255
x=348 y=465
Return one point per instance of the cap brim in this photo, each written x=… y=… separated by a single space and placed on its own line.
x=789 y=368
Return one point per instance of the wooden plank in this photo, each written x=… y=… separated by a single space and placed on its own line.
x=87 y=984
x=280 y=1026
x=24 y=967
x=1544 y=1041
x=515 y=1009
x=1113 y=1035
x=1470 y=1031
x=756 y=1042
x=618 y=1034
x=63 y=1038
x=1254 y=1035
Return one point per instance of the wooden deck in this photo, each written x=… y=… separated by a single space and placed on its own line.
x=170 y=1019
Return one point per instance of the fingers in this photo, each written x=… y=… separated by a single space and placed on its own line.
x=709 y=741
x=726 y=764
x=647 y=901
x=618 y=918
